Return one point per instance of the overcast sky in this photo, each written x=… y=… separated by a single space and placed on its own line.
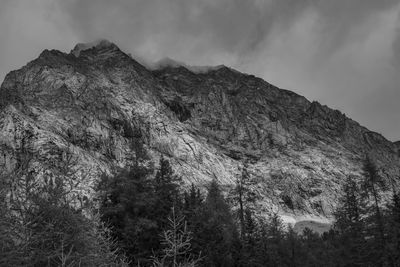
x=342 y=53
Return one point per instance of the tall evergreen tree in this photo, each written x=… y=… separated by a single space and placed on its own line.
x=214 y=231
x=167 y=191
x=393 y=230
x=293 y=248
x=126 y=206
x=244 y=197
x=127 y=202
x=249 y=240
x=192 y=202
x=373 y=184
x=350 y=224
x=275 y=235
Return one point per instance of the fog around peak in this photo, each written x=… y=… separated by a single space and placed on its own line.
x=85 y=46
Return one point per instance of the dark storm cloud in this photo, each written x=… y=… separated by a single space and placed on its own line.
x=345 y=53
x=396 y=46
x=233 y=26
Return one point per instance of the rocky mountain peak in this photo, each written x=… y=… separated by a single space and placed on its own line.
x=97 y=45
x=207 y=121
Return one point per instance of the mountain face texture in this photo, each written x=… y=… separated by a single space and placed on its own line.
x=94 y=102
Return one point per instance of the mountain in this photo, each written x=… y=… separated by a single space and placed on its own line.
x=397 y=145
x=93 y=102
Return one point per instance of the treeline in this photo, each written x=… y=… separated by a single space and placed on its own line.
x=225 y=231
x=143 y=216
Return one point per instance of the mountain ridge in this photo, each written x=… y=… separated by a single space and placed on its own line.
x=94 y=103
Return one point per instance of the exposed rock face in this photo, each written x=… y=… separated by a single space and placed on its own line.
x=397 y=145
x=93 y=102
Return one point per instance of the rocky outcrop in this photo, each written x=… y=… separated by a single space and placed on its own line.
x=96 y=102
x=397 y=147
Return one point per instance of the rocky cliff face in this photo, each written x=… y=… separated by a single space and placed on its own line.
x=94 y=102
x=397 y=146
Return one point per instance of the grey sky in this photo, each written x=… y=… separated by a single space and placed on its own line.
x=343 y=53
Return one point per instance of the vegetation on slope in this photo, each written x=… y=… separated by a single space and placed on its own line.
x=145 y=217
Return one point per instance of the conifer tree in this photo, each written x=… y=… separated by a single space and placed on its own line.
x=373 y=184
x=166 y=189
x=215 y=232
x=275 y=235
x=136 y=205
x=41 y=225
x=249 y=240
x=126 y=206
x=192 y=203
x=350 y=224
x=244 y=197
x=394 y=230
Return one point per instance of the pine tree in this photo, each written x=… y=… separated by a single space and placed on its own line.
x=394 y=230
x=244 y=197
x=249 y=240
x=350 y=224
x=214 y=230
x=127 y=205
x=331 y=246
x=167 y=191
x=192 y=202
x=292 y=247
x=314 y=249
x=275 y=235
x=372 y=185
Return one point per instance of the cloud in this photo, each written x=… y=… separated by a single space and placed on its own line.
x=27 y=28
x=343 y=53
x=232 y=26
x=396 y=46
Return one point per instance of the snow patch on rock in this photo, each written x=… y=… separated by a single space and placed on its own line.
x=318 y=224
